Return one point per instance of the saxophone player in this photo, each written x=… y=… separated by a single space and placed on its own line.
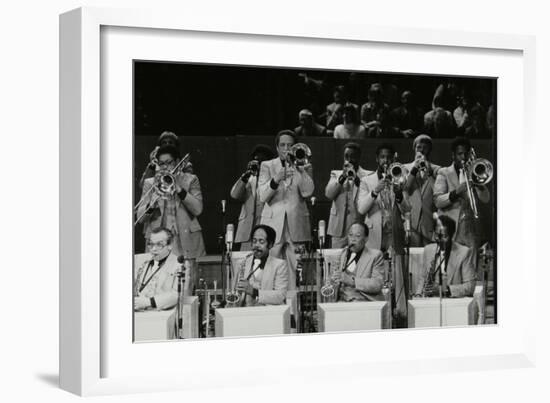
x=455 y=261
x=263 y=279
x=361 y=269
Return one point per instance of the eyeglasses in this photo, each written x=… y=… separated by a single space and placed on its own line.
x=165 y=163
x=159 y=245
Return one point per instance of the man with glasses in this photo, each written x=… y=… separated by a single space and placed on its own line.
x=176 y=209
x=155 y=279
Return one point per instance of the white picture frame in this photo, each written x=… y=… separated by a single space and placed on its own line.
x=85 y=346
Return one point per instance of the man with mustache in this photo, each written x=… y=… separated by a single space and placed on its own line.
x=265 y=278
x=361 y=269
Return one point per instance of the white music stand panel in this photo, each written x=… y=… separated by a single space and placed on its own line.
x=253 y=321
x=352 y=316
x=424 y=312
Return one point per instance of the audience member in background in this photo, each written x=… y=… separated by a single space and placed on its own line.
x=478 y=124
x=308 y=127
x=463 y=112
x=419 y=187
x=439 y=122
x=491 y=119
x=245 y=190
x=406 y=120
x=335 y=111
x=375 y=112
x=342 y=189
x=165 y=139
x=350 y=129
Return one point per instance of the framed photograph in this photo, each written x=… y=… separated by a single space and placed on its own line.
x=279 y=191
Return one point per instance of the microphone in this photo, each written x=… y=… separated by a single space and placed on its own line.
x=321 y=232
x=223 y=206
x=229 y=236
x=313 y=199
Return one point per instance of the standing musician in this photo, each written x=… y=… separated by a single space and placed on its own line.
x=155 y=279
x=361 y=269
x=342 y=189
x=246 y=191
x=419 y=187
x=284 y=188
x=383 y=202
x=264 y=278
x=455 y=261
x=451 y=195
x=176 y=210
x=165 y=139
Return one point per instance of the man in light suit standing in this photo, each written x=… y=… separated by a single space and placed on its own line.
x=246 y=191
x=451 y=196
x=361 y=269
x=384 y=205
x=155 y=274
x=284 y=189
x=455 y=261
x=342 y=189
x=419 y=188
x=265 y=278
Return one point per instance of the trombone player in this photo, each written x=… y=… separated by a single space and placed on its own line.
x=173 y=200
x=284 y=184
x=452 y=196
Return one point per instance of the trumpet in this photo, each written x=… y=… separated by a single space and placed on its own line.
x=396 y=172
x=349 y=171
x=299 y=154
x=235 y=298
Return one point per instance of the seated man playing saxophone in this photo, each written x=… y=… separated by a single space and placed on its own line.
x=360 y=274
x=262 y=279
x=455 y=261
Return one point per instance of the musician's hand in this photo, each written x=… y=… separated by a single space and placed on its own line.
x=244 y=286
x=280 y=175
x=141 y=303
x=407 y=133
x=348 y=280
x=307 y=168
x=380 y=186
x=180 y=183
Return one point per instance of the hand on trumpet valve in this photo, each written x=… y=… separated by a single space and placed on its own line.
x=253 y=168
x=244 y=286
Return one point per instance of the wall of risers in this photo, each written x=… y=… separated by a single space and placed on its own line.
x=218 y=161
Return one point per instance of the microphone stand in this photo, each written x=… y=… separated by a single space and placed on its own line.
x=179 y=318
x=222 y=246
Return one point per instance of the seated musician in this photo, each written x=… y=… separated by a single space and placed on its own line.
x=155 y=274
x=361 y=269
x=455 y=261
x=262 y=277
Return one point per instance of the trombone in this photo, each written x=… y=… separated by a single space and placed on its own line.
x=165 y=184
x=478 y=171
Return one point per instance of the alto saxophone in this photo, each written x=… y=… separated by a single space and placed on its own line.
x=234 y=298
x=139 y=274
x=430 y=279
x=329 y=291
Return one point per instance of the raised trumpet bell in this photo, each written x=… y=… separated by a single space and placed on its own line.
x=299 y=154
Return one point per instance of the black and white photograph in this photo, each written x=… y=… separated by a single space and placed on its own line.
x=271 y=200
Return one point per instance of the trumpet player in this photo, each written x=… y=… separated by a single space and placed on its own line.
x=175 y=208
x=451 y=194
x=245 y=190
x=384 y=204
x=284 y=187
x=342 y=189
x=419 y=187
x=361 y=269
x=455 y=261
x=263 y=279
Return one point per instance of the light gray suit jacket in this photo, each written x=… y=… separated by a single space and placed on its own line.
x=461 y=276
x=344 y=203
x=447 y=180
x=166 y=292
x=274 y=282
x=369 y=276
x=288 y=200
x=246 y=193
x=420 y=196
x=372 y=208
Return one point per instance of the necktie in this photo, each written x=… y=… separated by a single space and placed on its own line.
x=255 y=269
x=351 y=263
x=462 y=177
